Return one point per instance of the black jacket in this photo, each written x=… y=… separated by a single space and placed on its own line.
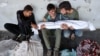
x=24 y=23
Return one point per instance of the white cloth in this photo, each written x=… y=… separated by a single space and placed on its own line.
x=76 y=24
x=35 y=31
x=35 y=37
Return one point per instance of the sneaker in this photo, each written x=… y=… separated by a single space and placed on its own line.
x=56 y=53
x=49 y=52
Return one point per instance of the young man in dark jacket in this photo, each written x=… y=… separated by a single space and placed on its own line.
x=26 y=21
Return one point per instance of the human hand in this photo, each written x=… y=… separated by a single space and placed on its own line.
x=71 y=28
x=34 y=26
x=42 y=26
x=64 y=26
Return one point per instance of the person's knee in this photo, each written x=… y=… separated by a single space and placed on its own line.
x=57 y=31
x=79 y=33
x=66 y=35
x=6 y=25
x=44 y=30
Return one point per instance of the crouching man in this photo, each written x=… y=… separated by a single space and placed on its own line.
x=26 y=21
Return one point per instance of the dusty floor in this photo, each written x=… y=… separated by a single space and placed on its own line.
x=4 y=35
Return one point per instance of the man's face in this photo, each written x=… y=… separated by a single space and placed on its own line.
x=63 y=11
x=27 y=13
x=52 y=12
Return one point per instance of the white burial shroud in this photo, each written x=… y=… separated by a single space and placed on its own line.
x=76 y=24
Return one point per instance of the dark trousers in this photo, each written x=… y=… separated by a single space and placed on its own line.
x=13 y=28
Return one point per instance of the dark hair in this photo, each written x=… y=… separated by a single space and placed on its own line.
x=66 y=5
x=50 y=7
x=28 y=8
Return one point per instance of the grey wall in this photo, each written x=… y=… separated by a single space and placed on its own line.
x=88 y=10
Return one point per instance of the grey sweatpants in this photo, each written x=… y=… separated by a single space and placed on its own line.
x=57 y=33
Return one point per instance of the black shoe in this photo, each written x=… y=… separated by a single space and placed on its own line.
x=21 y=37
x=49 y=52
x=56 y=53
x=17 y=38
x=14 y=38
x=27 y=38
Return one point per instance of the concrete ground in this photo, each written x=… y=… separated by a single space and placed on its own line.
x=94 y=35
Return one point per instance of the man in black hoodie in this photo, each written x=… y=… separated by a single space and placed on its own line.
x=26 y=21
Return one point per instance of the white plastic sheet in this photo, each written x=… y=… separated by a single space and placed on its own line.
x=34 y=48
x=6 y=46
x=12 y=48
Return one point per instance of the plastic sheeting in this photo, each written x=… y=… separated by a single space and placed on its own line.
x=6 y=46
x=12 y=48
x=34 y=48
